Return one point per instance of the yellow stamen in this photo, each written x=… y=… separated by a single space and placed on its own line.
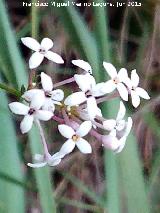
x=75 y=138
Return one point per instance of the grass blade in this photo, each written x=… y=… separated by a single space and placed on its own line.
x=80 y=34
x=11 y=195
x=14 y=71
x=132 y=178
x=10 y=58
x=42 y=176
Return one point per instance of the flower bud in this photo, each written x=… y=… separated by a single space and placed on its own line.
x=110 y=142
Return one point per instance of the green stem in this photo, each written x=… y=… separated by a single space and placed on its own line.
x=34 y=16
x=10 y=90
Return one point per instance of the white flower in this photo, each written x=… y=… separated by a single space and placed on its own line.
x=75 y=138
x=90 y=90
x=83 y=64
x=112 y=142
x=117 y=80
x=41 y=50
x=136 y=92
x=41 y=160
x=116 y=125
x=30 y=112
x=51 y=97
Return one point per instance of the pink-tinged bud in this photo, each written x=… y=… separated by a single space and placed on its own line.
x=110 y=142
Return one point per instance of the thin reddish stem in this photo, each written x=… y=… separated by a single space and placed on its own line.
x=61 y=83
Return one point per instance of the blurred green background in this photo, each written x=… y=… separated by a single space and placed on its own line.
x=102 y=182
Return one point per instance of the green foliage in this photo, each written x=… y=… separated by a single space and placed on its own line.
x=125 y=185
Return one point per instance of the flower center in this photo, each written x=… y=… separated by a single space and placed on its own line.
x=75 y=138
x=88 y=94
x=31 y=111
x=133 y=88
x=48 y=94
x=116 y=80
x=42 y=50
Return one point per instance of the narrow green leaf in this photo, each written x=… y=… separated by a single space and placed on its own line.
x=79 y=204
x=79 y=34
x=132 y=178
x=111 y=166
x=10 y=58
x=81 y=186
x=11 y=195
x=14 y=71
x=42 y=176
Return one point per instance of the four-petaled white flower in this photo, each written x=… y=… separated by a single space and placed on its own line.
x=42 y=104
x=117 y=80
x=41 y=50
x=83 y=65
x=116 y=125
x=41 y=160
x=30 y=112
x=90 y=90
x=75 y=138
x=114 y=143
x=136 y=92
x=50 y=96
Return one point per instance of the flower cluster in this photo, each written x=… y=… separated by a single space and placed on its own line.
x=78 y=114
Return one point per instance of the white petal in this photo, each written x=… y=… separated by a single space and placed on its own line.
x=26 y=123
x=84 y=114
x=122 y=91
x=67 y=147
x=31 y=43
x=83 y=64
x=38 y=157
x=37 y=165
x=57 y=155
x=109 y=124
x=129 y=126
x=46 y=81
x=108 y=87
x=110 y=142
x=28 y=95
x=66 y=130
x=121 y=143
x=54 y=162
x=92 y=107
x=122 y=75
x=57 y=95
x=121 y=112
x=142 y=93
x=111 y=70
x=35 y=60
x=120 y=125
x=85 y=82
x=48 y=105
x=84 y=128
x=97 y=90
x=54 y=57
x=47 y=43
x=99 y=112
x=135 y=99
x=43 y=115
x=37 y=101
x=18 y=108
x=128 y=83
x=113 y=133
x=75 y=99
x=84 y=146
x=134 y=78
